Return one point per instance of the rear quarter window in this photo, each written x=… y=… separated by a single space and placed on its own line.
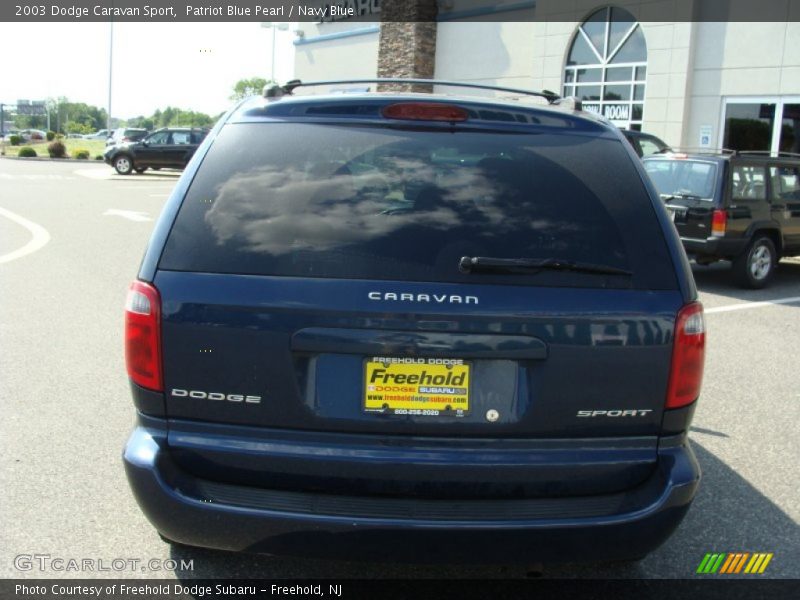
x=356 y=202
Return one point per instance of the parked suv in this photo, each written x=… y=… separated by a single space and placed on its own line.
x=101 y=134
x=645 y=144
x=168 y=148
x=738 y=206
x=423 y=327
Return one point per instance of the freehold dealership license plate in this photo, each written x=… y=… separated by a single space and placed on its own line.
x=417 y=386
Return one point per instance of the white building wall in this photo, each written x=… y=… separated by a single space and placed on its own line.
x=533 y=55
x=733 y=60
x=691 y=66
x=669 y=56
x=499 y=53
x=342 y=50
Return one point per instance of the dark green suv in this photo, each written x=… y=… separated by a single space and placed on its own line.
x=738 y=206
x=169 y=148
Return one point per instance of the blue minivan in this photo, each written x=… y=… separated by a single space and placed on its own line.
x=414 y=327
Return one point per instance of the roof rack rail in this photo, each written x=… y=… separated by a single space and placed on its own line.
x=276 y=91
x=699 y=150
x=768 y=153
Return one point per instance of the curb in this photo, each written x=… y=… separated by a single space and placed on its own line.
x=43 y=158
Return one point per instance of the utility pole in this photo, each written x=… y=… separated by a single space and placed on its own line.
x=110 y=73
x=2 y=129
x=275 y=27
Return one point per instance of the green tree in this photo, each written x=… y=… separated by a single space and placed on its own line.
x=77 y=127
x=248 y=87
x=172 y=116
x=66 y=117
x=143 y=122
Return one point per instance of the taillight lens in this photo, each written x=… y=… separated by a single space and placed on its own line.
x=425 y=111
x=719 y=220
x=143 y=336
x=688 y=356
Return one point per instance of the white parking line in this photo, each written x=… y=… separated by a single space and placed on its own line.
x=746 y=305
x=39 y=239
x=109 y=174
x=131 y=215
x=42 y=177
x=95 y=172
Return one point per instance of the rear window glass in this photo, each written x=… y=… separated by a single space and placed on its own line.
x=650 y=146
x=683 y=177
x=349 y=201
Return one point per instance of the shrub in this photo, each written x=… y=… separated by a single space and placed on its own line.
x=37 y=136
x=26 y=152
x=15 y=140
x=59 y=136
x=81 y=154
x=57 y=149
x=51 y=136
x=99 y=157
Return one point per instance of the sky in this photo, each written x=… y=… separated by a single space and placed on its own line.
x=193 y=66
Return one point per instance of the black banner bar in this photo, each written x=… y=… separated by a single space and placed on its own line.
x=712 y=587
x=388 y=10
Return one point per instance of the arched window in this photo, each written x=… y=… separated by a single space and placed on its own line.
x=607 y=66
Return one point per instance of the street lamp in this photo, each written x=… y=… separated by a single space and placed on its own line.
x=273 y=27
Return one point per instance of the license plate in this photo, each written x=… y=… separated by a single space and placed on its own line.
x=430 y=387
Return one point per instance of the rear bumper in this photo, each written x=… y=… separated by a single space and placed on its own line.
x=714 y=247
x=618 y=526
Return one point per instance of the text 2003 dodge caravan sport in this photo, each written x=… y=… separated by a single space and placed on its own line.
x=414 y=327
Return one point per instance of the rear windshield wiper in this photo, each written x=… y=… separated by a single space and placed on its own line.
x=679 y=196
x=482 y=264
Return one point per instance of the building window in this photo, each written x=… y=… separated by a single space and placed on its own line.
x=762 y=124
x=607 y=67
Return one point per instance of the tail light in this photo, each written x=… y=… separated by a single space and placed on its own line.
x=142 y=336
x=719 y=220
x=688 y=356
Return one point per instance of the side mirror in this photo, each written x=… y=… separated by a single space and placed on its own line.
x=145 y=142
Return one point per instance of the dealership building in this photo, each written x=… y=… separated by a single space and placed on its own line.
x=710 y=78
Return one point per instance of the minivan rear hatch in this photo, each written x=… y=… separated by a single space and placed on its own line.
x=314 y=283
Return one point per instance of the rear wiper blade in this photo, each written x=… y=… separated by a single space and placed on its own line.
x=679 y=196
x=482 y=264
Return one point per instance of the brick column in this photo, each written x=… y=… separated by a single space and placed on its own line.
x=407 y=45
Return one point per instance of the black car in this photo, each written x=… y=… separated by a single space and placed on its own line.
x=168 y=148
x=738 y=206
x=645 y=144
x=421 y=327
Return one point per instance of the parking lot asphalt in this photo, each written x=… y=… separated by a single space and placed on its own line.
x=67 y=412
